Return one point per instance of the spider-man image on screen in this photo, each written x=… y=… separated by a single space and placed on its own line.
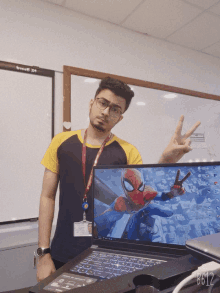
x=149 y=205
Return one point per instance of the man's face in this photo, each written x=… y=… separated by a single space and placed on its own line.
x=102 y=120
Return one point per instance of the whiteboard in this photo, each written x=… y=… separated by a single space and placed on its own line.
x=150 y=126
x=25 y=111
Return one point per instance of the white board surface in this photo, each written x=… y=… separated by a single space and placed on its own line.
x=25 y=111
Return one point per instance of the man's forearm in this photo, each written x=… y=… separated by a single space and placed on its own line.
x=168 y=159
x=46 y=215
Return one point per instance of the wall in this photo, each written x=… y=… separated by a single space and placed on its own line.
x=44 y=35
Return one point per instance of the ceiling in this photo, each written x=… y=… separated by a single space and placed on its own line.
x=193 y=24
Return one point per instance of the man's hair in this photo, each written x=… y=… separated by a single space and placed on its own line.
x=118 y=87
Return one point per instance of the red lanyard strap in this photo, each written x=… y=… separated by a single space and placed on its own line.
x=94 y=164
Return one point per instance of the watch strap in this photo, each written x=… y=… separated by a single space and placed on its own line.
x=46 y=250
x=41 y=251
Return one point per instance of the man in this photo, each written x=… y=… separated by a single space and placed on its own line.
x=64 y=163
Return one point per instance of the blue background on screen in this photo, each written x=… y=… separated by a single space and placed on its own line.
x=194 y=214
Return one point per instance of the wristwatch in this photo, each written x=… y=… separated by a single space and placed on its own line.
x=41 y=251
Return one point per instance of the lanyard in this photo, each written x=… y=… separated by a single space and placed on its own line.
x=95 y=163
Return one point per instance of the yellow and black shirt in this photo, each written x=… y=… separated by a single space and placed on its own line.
x=64 y=157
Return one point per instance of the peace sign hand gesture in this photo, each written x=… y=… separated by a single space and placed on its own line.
x=179 y=144
x=177 y=188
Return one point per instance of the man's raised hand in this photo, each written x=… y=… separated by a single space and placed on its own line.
x=179 y=144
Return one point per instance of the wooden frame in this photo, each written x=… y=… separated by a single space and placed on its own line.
x=68 y=71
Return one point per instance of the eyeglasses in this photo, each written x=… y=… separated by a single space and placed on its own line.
x=102 y=104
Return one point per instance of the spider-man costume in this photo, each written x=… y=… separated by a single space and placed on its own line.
x=135 y=208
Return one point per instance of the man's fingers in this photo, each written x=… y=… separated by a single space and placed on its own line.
x=192 y=129
x=188 y=143
x=179 y=126
x=185 y=147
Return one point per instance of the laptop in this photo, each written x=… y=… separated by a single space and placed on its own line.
x=205 y=247
x=143 y=216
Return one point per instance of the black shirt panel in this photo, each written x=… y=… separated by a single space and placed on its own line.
x=64 y=246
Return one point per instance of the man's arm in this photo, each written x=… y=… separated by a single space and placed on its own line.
x=45 y=265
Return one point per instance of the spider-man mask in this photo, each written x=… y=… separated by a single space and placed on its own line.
x=135 y=188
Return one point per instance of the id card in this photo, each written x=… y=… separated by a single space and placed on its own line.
x=82 y=229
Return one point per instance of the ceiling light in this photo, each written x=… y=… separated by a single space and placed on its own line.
x=90 y=80
x=204 y=160
x=190 y=161
x=197 y=160
x=170 y=96
x=140 y=103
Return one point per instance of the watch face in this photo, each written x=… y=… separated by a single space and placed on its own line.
x=39 y=251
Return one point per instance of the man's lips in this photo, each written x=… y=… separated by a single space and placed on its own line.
x=103 y=120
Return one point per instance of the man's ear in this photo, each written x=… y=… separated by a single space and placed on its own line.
x=91 y=103
x=121 y=117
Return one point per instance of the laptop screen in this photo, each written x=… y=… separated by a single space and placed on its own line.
x=164 y=204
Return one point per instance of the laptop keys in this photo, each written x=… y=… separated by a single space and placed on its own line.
x=101 y=274
x=108 y=265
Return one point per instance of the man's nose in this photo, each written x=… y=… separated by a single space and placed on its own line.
x=106 y=111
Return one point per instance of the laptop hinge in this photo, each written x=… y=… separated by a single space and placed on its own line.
x=94 y=246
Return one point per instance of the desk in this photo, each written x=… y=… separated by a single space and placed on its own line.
x=193 y=288
x=23 y=290
x=164 y=277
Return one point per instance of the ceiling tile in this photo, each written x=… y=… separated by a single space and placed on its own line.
x=213 y=50
x=161 y=18
x=58 y=2
x=215 y=9
x=111 y=10
x=200 y=33
x=202 y=3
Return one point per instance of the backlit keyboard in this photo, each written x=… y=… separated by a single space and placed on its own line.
x=108 y=265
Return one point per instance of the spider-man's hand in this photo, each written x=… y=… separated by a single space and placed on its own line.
x=177 y=188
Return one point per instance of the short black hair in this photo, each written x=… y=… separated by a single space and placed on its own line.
x=118 y=87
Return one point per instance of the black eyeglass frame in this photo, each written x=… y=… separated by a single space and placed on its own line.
x=110 y=107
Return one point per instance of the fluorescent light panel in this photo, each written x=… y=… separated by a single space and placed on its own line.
x=90 y=80
x=140 y=103
x=170 y=96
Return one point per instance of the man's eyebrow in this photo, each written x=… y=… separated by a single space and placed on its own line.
x=111 y=103
x=115 y=105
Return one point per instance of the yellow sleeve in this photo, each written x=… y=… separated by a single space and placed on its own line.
x=134 y=157
x=50 y=160
x=132 y=154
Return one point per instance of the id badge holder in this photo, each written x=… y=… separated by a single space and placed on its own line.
x=84 y=227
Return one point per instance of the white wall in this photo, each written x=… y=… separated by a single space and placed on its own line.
x=44 y=35
x=38 y=33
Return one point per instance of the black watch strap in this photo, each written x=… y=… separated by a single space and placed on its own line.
x=42 y=251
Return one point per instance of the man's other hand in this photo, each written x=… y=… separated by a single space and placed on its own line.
x=45 y=267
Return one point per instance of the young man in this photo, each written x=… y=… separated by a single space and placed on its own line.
x=72 y=154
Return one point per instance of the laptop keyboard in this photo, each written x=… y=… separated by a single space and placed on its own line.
x=108 y=265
